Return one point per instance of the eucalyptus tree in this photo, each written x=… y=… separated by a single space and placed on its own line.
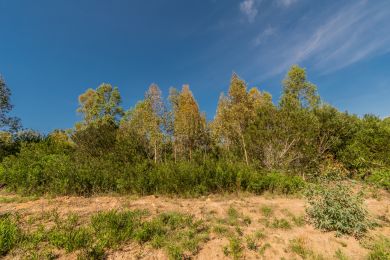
x=146 y=120
x=189 y=124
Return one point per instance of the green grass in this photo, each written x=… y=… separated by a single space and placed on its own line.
x=298 y=221
x=280 y=223
x=235 y=248
x=339 y=255
x=380 y=249
x=17 y=199
x=9 y=234
x=267 y=211
x=236 y=218
x=299 y=247
x=220 y=230
x=178 y=234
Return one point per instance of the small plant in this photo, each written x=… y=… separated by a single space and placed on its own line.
x=235 y=247
x=220 y=230
x=339 y=255
x=259 y=234
x=251 y=243
x=280 y=223
x=266 y=211
x=239 y=231
x=247 y=220
x=298 y=246
x=298 y=221
x=263 y=248
x=337 y=208
x=233 y=215
x=235 y=218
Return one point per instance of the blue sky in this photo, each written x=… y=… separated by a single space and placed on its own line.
x=52 y=51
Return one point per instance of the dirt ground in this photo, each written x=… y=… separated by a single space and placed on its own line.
x=210 y=209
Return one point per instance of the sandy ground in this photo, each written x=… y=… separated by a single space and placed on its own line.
x=210 y=208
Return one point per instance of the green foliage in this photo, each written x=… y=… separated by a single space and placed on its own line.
x=381 y=178
x=337 y=208
x=277 y=183
x=380 y=249
x=100 y=105
x=37 y=168
x=252 y=145
x=6 y=121
x=50 y=167
x=9 y=234
x=369 y=148
x=235 y=248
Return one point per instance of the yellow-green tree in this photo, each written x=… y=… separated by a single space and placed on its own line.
x=101 y=111
x=234 y=114
x=146 y=120
x=102 y=104
x=189 y=124
x=298 y=91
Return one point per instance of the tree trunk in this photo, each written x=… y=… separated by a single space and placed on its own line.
x=155 y=152
x=244 y=148
x=174 y=151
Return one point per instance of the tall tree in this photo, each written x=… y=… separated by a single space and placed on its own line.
x=189 y=124
x=102 y=104
x=7 y=122
x=96 y=134
x=300 y=124
x=235 y=113
x=146 y=120
x=298 y=91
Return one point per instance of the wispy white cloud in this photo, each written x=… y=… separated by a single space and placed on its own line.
x=264 y=35
x=249 y=9
x=286 y=3
x=353 y=33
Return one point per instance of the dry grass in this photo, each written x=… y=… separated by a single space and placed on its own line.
x=242 y=226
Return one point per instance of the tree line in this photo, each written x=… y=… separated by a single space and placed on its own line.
x=168 y=145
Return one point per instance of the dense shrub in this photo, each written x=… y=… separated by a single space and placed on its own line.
x=276 y=182
x=38 y=168
x=337 y=208
x=45 y=168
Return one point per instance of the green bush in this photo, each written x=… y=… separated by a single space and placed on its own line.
x=277 y=183
x=47 y=167
x=337 y=208
x=38 y=168
x=381 y=178
x=9 y=234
